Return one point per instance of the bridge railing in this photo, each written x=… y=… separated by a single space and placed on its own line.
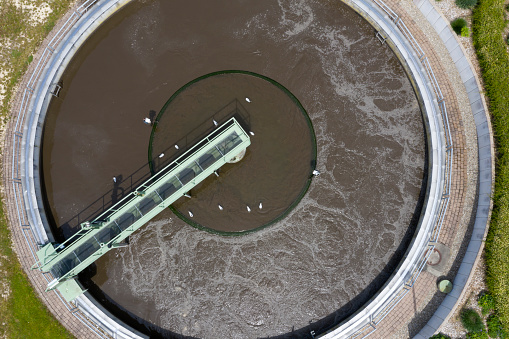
x=149 y=199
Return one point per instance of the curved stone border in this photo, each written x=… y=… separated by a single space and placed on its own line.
x=486 y=168
x=409 y=269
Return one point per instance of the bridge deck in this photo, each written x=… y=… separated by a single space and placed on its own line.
x=108 y=230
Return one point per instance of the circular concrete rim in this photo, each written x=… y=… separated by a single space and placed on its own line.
x=304 y=188
x=103 y=9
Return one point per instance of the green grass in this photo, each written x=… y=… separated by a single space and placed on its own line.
x=11 y=19
x=14 y=21
x=22 y=314
x=495 y=329
x=465 y=32
x=486 y=302
x=477 y=335
x=488 y=26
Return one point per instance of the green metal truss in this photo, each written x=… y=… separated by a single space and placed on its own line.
x=112 y=227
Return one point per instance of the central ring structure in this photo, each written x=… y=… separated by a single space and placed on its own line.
x=272 y=176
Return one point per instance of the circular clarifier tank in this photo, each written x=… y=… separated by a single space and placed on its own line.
x=323 y=93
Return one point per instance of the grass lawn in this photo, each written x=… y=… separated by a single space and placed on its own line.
x=489 y=22
x=22 y=314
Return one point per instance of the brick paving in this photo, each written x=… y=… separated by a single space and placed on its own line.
x=396 y=323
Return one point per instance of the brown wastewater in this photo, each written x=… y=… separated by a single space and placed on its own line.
x=329 y=243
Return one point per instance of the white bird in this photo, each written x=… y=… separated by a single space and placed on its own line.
x=260 y=206
x=161 y=155
x=215 y=122
x=217 y=174
x=191 y=214
x=114 y=179
x=147 y=121
x=248 y=208
x=251 y=132
x=220 y=207
x=177 y=146
x=248 y=100
x=316 y=173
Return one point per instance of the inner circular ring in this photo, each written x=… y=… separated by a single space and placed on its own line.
x=276 y=170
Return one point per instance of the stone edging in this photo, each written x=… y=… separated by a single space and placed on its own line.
x=486 y=167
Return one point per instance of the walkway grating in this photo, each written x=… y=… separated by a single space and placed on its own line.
x=97 y=237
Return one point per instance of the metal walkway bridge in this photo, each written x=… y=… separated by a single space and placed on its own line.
x=109 y=230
